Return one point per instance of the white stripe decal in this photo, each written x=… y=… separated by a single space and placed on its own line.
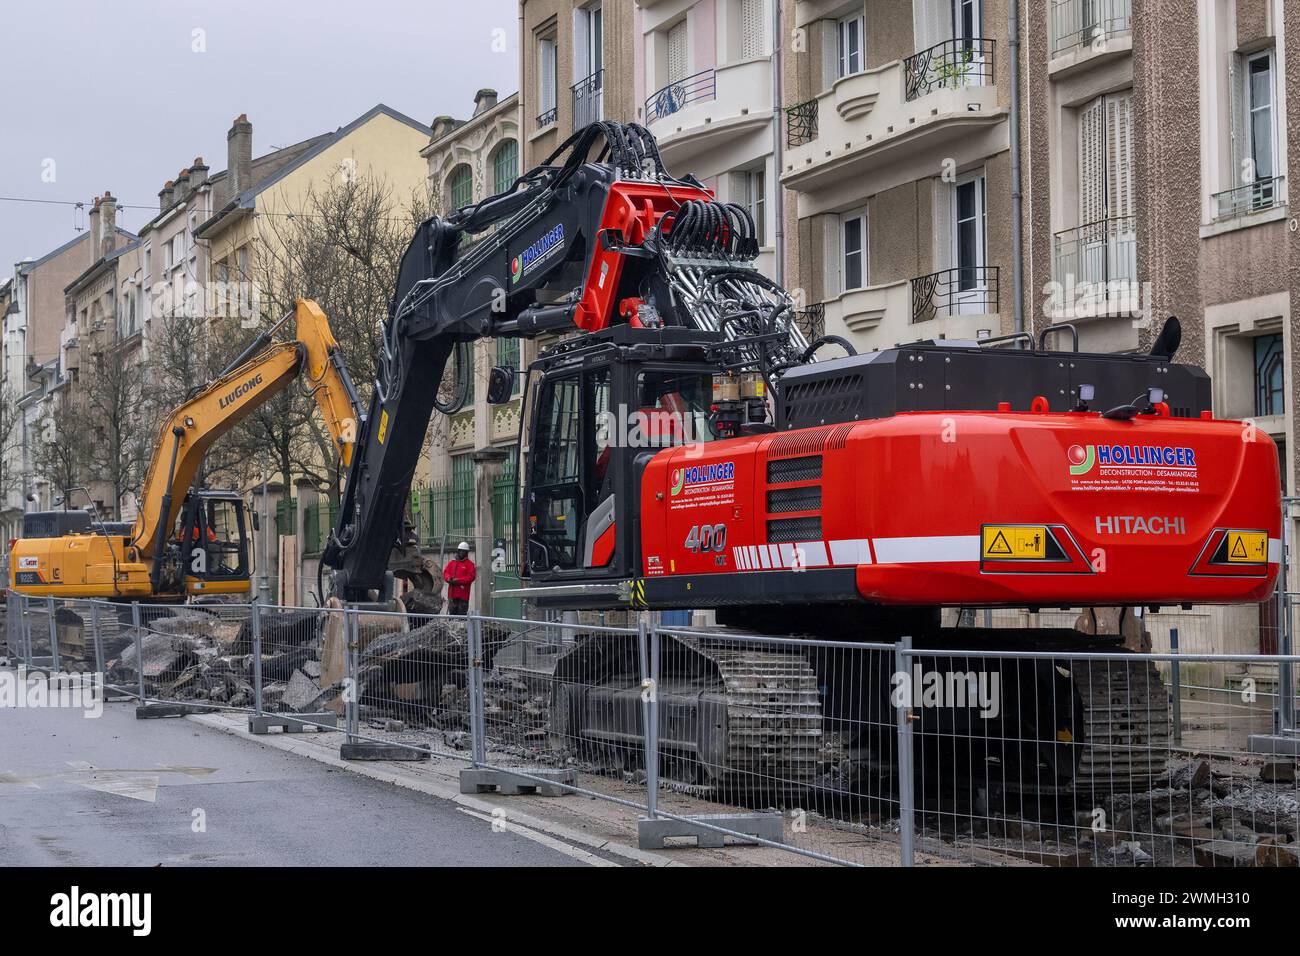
x=736 y=555
x=932 y=550
x=1274 y=550
x=814 y=554
x=765 y=558
x=775 y=552
x=753 y=557
x=854 y=551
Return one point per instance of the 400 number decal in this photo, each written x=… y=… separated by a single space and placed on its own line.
x=707 y=537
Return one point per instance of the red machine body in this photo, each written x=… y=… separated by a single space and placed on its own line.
x=1091 y=511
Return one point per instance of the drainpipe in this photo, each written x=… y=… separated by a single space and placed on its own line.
x=778 y=152
x=1017 y=196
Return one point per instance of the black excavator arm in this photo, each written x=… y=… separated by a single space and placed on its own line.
x=580 y=242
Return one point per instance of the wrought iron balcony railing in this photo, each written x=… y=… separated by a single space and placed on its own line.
x=965 y=290
x=549 y=117
x=949 y=65
x=1080 y=23
x=801 y=123
x=696 y=88
x=1252 y=197
x=588 y=99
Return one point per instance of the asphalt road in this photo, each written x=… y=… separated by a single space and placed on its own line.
x=127 y=792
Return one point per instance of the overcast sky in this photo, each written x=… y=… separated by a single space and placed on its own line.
x=115 y=94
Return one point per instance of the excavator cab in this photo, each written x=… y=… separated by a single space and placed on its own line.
x=213 y=540
x=601 y=407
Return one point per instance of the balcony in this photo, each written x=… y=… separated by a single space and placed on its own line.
x=548 y=118
x=950 y=304
x=951 y=65
x=1094 y=270
x=939 y=102
x=1251 y=198
x=588 y=100
x=1081 y=28
x=699 y=112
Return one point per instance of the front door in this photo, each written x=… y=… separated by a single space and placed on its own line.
x=970 y=287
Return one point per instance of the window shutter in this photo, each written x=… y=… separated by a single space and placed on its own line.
x=1238 y=78
x=548 y=75
x=1119 y=155
x=1092 y=163
x=677 y=53
x=830 y=50
x=944 y=211
x=931 y=22
x=752 y=29
x=833 y=264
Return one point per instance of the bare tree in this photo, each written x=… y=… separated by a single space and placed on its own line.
x=342 y=249
x=114 y=398
x=11 y=439
x=63 y=447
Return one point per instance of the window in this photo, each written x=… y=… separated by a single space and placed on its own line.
x=749 y=189
x=853 y=250
x=546 y=80
x=1106 y=158
x=460 y=186
x=1259 y=78
x=849 y=35
x=508 y=355
x=969 y=226
x=752 y=29
x=678 y=52
x=505 y=165
x=462 y=494
x=1269 y=375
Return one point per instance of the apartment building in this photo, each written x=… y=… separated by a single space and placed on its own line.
x=103 y=307
x=576 y=64
x=32 y=362
x=468 y=161
x=704 y=86
x=897 y=161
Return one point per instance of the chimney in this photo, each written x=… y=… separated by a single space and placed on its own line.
x=239 y=154
x=92 y=226
x=484 y=100
x=165 y=196
x=107 y=223
x=198 y=174
x=183 y=185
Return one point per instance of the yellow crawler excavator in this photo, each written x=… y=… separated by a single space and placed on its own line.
x=186 y=541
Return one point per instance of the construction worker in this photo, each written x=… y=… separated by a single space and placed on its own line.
x=459 y=575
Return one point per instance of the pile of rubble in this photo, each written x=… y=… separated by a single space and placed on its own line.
x=414 y=675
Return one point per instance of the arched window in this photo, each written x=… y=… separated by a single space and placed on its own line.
x=460 y=186
x=505 y=165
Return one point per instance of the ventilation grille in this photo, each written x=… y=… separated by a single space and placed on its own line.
x=805 y=442
x=794 y=499
x=789 y=530
x=831 y=399
x=794 y=469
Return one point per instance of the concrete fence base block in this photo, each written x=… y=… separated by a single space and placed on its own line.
x=150 y=711
x=654 y=834
x=485 y=780
x=374 y=750
x=1282 y=745
x=295 y=724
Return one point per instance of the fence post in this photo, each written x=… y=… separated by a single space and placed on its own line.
x=1175 y=675
x=474 y=684
x=256 y=622
x=350 y=664
x=139 y=649
x=648 y=641
x=54 y=635
x=96 y=636
x=906 y=779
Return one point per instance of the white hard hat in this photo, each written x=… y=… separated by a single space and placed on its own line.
x=463 y=546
